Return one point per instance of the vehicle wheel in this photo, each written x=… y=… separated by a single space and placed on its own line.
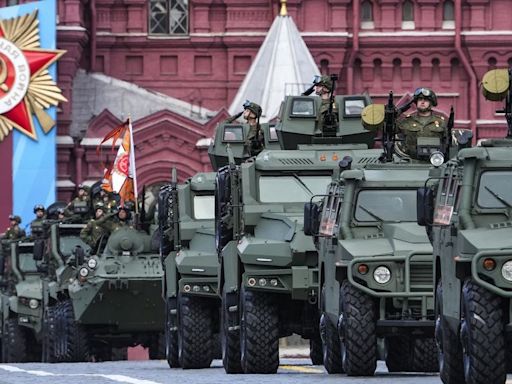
x=72 y=342
x=217 y=346
x=171 y=336
x=14 y=342
x=424 y=356
x=451 y=369
x=157 y=347
x=259 y=332
x=230 y=339
x=482 y=335
x=398 y=350
x=331 y=346
x=358 y=330
x=316 y=353
x=194 y=333
x=49 y=334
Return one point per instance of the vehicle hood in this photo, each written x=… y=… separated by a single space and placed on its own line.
x=470 y=241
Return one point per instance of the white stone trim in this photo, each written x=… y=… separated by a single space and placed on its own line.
x=64 y=140
x=71 y=28
x=204 y=142
x=95 y=141
x=65 y=184
x=490 y=122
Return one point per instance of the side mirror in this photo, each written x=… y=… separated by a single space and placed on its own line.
x=39 y=246
x=79 y=255
x=425 y=206
x=311 y=219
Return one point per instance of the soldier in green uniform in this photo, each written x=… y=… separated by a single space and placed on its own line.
x=323 y=87
x=80 y=206
x=36 y=225
x=254 y=141
x=96 y=228
x=424 y=122
x=121 y=219
x=14 y=232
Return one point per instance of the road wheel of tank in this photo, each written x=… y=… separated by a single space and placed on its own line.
x=157 y=348
x=398 y=349
x=331 y=346
x=451 y=369
x=171 y=336
x=358 y=330
x=71 y=336
x=482 y=335
x=424 y=356
x=316 y=353
x=194 y=332
x=48 y=339
x=14 y=342
x=259 y=332
x=230 y=339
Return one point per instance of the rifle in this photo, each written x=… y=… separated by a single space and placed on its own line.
x=388 y=131
x=142 y=217
x=330 y=123
x=508 y=105
x=448 y=133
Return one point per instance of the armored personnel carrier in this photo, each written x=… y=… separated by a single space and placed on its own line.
x=467 y=213
x=268 y=277
x=186 y=219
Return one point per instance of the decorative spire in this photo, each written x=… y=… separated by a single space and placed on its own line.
x=283 y=12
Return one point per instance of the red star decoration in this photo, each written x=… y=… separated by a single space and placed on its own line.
x=21 y=114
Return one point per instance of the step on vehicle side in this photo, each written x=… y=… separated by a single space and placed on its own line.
x=268 y=276
x=468 y=217
x=186 y=218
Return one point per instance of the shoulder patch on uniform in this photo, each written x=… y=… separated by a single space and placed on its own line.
x=442 y=117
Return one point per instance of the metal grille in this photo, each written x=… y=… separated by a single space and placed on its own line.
x=168 y=17
x=296 y=161
x=421 y=276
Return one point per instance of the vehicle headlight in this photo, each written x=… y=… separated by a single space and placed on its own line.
x=92 y=263
x=506 y=270
x=84 y=272
x=436 y=159
x=382 y=274
x=33 y=304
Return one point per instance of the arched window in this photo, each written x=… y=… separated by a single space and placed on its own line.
x=168 y=17
x=448 y=15
x=408 y=15
x=367 y=15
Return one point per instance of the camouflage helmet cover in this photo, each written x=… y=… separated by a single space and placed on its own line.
x=254 y=108
x=100 y=205
x=425 y=93
x=324 y=81
x=15 y=218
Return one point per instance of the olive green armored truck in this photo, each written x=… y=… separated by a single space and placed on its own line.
x=186 y=218
x=467 y=210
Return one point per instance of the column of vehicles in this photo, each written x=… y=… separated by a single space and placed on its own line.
x=319 y=234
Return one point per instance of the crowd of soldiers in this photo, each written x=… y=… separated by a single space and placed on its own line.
x=101 y=213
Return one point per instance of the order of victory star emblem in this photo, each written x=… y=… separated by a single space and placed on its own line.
x=26 y=87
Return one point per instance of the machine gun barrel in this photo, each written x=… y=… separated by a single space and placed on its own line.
x=388 y=132
x=309 y=91
x=449 y=128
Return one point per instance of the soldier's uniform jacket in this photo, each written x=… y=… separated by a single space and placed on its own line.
x=413 y=126
x=79 y=208
x=93 y=231
x=36 y=227
x=14 y=233
x=254 y=144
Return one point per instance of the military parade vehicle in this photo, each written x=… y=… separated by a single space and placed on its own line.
x=268 y=278
x=103 y=298
x=466 y=209
x=375 y=262
x=186 y=219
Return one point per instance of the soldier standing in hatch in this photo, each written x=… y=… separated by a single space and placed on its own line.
x=79 y=207
x=36 y=225
x=14 y=232
x=95 y=228
x=254 y=142
x=323 y=89
x=422 y=123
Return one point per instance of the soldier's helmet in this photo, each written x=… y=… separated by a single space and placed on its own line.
x=61 y=211
x=100 y=205
x=15 y=218
x=324 y=81
x=253 y=107
x=128 y=211
x=425 y=93
x=39 y=207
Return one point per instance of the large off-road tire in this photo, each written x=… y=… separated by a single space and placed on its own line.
x=49 y=335
x=358 y=330
x=230 y=339
x=259 y=332
x=316 y=353
x=482 y=335
x=398 y=351
x=217 y=346
x=14 y=342
x=194 y=332
x=72 y=342
x=171 y=336
x=331 y=346
x=424 y=355
x=451 y=369
x=157 y=347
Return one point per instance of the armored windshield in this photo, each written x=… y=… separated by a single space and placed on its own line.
x=494 y=190
x=204 y=207
x=291 y=188
x=386 y=205
x=27 y=263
